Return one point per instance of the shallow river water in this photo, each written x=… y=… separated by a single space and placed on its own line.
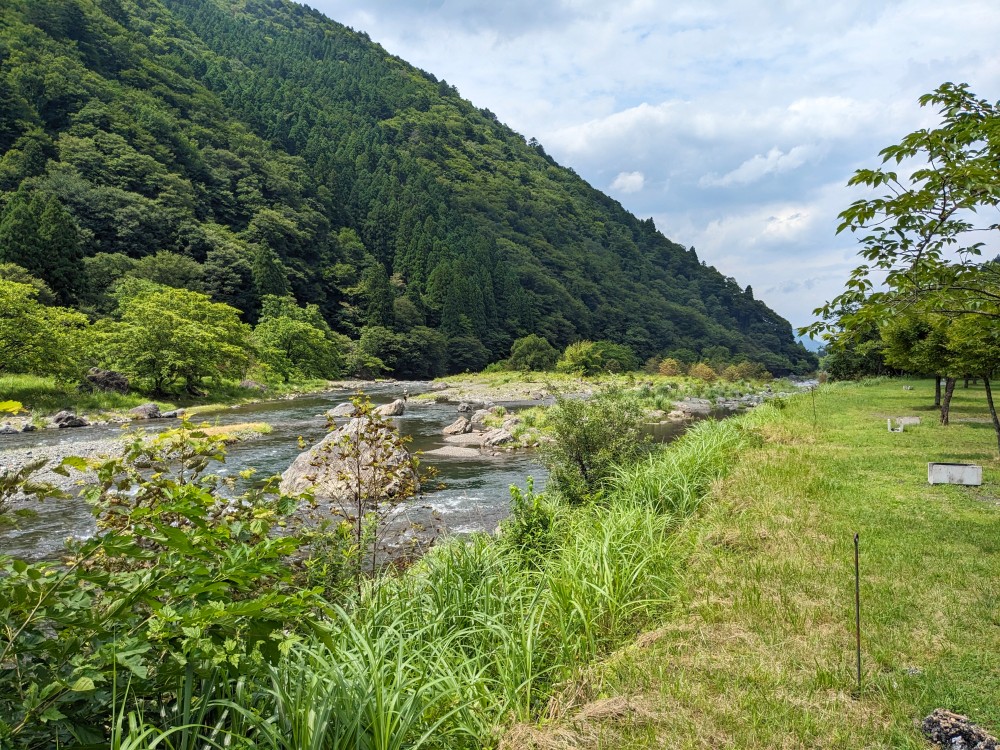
x=475 y=494
x=475 y=497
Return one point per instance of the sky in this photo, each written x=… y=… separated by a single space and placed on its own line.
x=734 y=124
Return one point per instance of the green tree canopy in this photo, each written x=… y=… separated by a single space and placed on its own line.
x=37 y=339
x=166 y=336
x=925 y=233
x=532 y=353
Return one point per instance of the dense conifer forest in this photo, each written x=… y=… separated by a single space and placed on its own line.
x=261 y=154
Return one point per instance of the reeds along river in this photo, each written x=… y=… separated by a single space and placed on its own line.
x=475 y=495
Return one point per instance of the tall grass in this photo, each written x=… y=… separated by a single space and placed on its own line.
x=471 y=638
x=673 y=482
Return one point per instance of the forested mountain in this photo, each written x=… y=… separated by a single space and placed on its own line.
x=247 y=148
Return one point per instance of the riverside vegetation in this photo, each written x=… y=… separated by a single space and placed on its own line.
x=239 y=636
x=640 y=617
x=758 y=651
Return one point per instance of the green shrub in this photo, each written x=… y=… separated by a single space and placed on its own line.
x=589 y=438
x=529 y=528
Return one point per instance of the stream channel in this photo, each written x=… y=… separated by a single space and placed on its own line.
x=475 y=497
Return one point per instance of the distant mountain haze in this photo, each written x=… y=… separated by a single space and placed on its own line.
x=246 y=148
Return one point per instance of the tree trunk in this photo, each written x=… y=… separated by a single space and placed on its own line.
x=993 y=410
x=937 y=391
x=966 y=383
x=949 y=390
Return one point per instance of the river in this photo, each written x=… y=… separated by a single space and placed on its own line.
x=475 y=496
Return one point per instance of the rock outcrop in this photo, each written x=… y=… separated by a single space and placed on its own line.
x=346 y=409
x=396 y=409
x=346 y=455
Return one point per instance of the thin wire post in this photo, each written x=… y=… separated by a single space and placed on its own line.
x=857 y=605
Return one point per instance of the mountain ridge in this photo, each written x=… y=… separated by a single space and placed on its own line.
x=282 y=151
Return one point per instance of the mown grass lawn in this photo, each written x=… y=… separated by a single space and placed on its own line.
x=760 y=653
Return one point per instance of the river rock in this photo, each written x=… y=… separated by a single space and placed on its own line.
x=105 y=380
x=498 y=437
x=468 y=407
x=28 y=427
x=145 y=411
x=323 y=467
x=346 y=409
x=68 y=419
x=253 y=385
x=173 y=414
x=396 y=409
x=695 y=406
x=8 y=429
x=459 y=427
x=511 y=422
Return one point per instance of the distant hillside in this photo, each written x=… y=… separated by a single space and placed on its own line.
x=253 y=147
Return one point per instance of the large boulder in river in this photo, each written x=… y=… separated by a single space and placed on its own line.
x=145 y=411
x=335 y=464
x=105 y=380
x=459 y=427
x=346 y=409
x=497 y=437
x=395 y=409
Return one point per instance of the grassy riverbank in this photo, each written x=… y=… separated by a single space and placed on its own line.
x=477 y=635
x=760 y=651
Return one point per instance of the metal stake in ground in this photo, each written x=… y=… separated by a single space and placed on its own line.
x=857 y=606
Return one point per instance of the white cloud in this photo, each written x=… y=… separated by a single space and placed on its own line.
x=629 y=182
x=774 y=162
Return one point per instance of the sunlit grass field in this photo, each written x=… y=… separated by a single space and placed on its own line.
x=760 y=650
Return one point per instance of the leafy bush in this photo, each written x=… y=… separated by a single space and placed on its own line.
x=591 y=437
x=178 y=583
x=702 y=371
x=671 y=366
x=532 y=354
x=596 y=357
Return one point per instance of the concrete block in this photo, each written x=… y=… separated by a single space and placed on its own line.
x=966 y=474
